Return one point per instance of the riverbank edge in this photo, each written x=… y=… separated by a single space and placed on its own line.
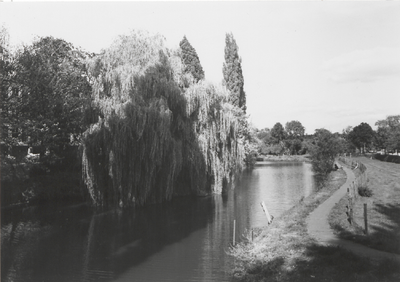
x=284 y=251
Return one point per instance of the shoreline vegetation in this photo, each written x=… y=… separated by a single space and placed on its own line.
x=148 y=124
x=284 y=251
x=283 y=158
x=149 y=127
x=29 y=182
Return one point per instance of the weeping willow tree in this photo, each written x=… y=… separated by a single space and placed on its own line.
x=217 y=128
x=155 y=139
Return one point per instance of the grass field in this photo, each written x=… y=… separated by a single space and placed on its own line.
x=284 y=251
x=383 y=179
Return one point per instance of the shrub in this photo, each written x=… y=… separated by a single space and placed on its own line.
x=251 y=158
x=364 y=191
x=275 y=149
x=387 y=158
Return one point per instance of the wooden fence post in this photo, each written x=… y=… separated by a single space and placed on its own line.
x=234 y=231
x=356 y=188
x=365 y=219
x=351 y=214
x=350 y=210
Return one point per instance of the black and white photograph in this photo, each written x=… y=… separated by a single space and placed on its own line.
x=204 y=141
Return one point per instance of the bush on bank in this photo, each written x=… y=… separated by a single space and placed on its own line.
x=30 y=180
x=387 y=158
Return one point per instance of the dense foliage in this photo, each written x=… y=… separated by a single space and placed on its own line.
x=323 y=151
x=232 y=71
x=156 y=139
x=45 y=94
x=7 y=70
x=295 y=133
x=388 y=133
x=191 y=60
x=278 y=133
x=362 y=136
x=294 y=129
x=284 y=140
x=291 y=139
x=149 y=125
x=45 y=102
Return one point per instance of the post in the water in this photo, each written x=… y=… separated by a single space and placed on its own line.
x=269 y=217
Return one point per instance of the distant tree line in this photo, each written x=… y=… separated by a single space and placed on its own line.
x=323 y=146
x=385 y=139
x=289 y=140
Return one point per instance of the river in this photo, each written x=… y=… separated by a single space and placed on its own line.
x=183 y=240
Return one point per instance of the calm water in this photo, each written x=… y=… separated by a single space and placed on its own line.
x=184 y=240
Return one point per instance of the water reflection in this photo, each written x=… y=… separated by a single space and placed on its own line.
x=279 y=184
x=184 y=240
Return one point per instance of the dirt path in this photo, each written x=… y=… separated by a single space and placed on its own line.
x=318 y=226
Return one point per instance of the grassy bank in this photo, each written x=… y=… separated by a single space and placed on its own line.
x=383 y=209
x=285 y=252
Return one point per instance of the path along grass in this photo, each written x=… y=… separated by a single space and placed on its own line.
x=383 y=209
x=284 y=251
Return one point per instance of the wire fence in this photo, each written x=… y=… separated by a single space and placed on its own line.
x=379 y=221
x=353 y=191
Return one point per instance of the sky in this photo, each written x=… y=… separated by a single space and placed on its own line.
x=326 y=64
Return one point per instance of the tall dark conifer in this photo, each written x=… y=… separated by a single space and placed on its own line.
x=232 y=71
x=191 y=60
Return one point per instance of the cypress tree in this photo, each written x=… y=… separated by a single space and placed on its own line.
x=191 y=60
x=232 y=71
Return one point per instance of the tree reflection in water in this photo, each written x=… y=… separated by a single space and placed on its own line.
x=183 y=240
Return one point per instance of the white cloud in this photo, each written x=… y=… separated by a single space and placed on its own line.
x=364 y=65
